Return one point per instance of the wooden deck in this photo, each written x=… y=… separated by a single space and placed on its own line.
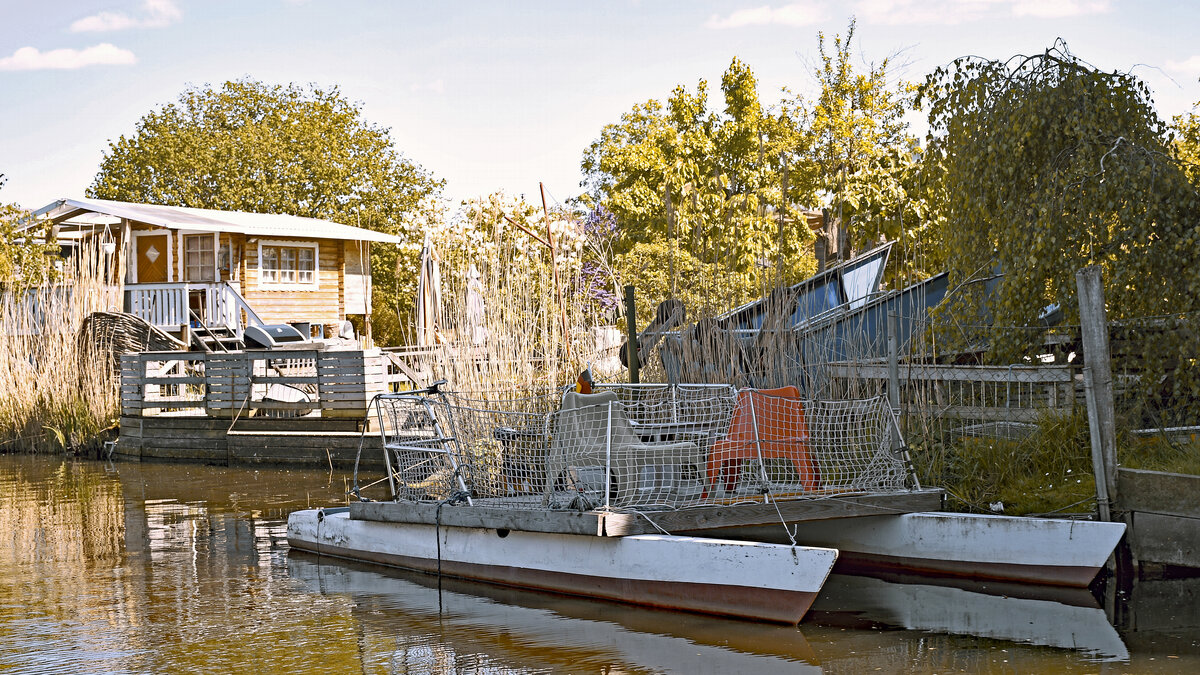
x=227 y=408
x=305 y=441
x=242 y=384
x=681 y=521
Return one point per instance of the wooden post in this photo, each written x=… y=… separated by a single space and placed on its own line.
x=562 y=310
x=1097 y=381
x=631 y=345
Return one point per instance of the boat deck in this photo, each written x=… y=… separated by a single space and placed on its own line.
x=501 y=516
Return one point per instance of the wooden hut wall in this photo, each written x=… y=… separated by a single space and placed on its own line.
x=321 y=304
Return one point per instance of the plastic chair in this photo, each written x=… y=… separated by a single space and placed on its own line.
x=585 y=434
x=767 y=424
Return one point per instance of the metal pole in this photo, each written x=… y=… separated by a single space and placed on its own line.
x=1097 y=381
x=631 y=346
x=608 y=457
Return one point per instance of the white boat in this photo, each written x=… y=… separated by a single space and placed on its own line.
x=1031 y=550
x=751 y=580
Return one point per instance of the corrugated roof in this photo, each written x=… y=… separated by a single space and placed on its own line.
x=212 y=220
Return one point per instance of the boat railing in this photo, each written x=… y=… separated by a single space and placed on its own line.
x=639 y=448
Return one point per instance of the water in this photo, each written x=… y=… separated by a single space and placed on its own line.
x=145 y=568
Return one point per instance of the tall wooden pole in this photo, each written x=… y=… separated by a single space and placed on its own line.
x=631 y=344
x=1097 y=381
x=562 y=310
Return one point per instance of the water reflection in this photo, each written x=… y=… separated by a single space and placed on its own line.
x=178 y=568
x=513 y=629
x=1065 y=618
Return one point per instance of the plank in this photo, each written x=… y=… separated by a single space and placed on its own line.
x=1159 y=492
x=942 y=373
x=525 y=520
x=797 y=510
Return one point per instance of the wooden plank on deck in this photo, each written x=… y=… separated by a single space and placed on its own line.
x=624 y=524
x=683 y=521
x=487 y=517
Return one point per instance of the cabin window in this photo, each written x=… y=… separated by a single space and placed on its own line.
x=200 y=257
x=287 y=264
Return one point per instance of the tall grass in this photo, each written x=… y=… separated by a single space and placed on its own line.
x=58 y=389
x=526 y=351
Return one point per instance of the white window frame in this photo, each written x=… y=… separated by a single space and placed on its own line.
x=314 y=285
x=182 y=236
x=133 y=259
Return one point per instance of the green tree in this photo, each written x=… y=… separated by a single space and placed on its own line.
x=1051 y=165
x=858 y=159
x=719 y=196
x=23 y=260
x=698 y=193
x=1187 y=143
x=305 y=151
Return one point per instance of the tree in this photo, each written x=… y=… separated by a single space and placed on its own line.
x=1187 y=143
x=719 y=195
x=859 y=161
x=698 y=194
x=23 y=259
x=1049 y=165
x=305 y=151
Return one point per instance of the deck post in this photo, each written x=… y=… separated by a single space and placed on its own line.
x=631 y=346
x=1097 y=381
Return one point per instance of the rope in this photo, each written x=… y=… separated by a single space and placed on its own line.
x=791 y=534
x=649 y=520
x=456 y=498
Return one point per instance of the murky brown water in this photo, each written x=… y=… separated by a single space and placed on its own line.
x=128 y=568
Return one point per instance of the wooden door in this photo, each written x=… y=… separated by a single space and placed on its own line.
x=152 y=258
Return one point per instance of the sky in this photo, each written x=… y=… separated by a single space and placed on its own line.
x=505 y=95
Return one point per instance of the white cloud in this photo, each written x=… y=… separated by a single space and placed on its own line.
x=940 y=12
x=31 y=58
x=155 y=14
x=1189 y=66
x=436 y=87
x=795 y=14
x=952 y=12
x=1057 y=9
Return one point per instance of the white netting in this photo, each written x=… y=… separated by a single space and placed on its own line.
x=420 y=450
x=637 y=447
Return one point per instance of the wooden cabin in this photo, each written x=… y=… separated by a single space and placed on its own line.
x=224 y=270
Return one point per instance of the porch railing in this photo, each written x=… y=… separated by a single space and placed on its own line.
x=170 y=305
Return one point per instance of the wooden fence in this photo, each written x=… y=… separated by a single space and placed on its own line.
x=983 y=400
x=273 y=383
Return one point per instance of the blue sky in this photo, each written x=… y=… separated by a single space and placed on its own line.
x=502 y=95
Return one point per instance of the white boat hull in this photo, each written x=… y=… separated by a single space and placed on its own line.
x=1030 y=550
x=751 y=580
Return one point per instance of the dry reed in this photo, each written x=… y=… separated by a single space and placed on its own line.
x=59 y=391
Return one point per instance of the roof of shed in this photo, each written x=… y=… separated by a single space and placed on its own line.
x=77 y=211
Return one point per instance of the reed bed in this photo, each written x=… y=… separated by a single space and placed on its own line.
x=59 y=391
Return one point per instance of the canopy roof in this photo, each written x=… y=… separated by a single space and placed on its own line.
x=83 y=214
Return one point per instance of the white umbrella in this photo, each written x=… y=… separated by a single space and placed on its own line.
x=429 y=296
x=475 y=308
